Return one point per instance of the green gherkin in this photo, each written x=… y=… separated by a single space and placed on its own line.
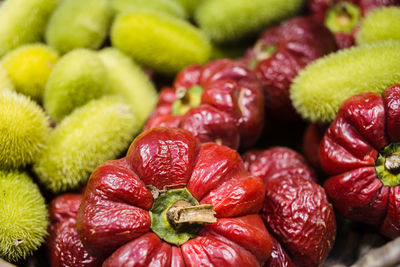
x=230 y=20
x=319 y=89
x=23 y=216
x=24 y=129
x=380 y=24
x=98 y=131
x=161 y=42
x=79 y=24
x=129 y=81
x=29 y=67
x=167 y=6
x=23 y=22
x=77 y=78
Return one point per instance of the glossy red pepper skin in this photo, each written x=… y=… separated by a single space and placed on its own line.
x=364 y=125
x=312 y=137
x=63 y=245
x=296 y=210
x=318 y=9
x=114 y=220
x=231 y=111
x=296 y=42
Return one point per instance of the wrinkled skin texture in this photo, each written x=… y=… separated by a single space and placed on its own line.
x=297 y=42
x=63 y=245
x=296 y=210
x=114 y=219
x=364 y=125
x=231 y=111
x=318 y=9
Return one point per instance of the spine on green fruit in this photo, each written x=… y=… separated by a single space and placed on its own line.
x=23 y=22
x=227 y=21
x=98 y=131
x=380 y=24
x=158 y=41
x=23 y=216
x=79 y=24
x=320 y=88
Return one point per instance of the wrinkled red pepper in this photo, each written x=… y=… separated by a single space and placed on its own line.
x=342 y=17
x=361 y=150
x=129 y=214
x=220 y=102
x=63 y=245
x=296 y=210
x=280 y=53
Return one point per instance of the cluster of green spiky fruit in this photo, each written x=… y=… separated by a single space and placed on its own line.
x=69 y=102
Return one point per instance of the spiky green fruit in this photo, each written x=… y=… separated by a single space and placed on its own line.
x=23 y=22
x=320 y=88
x=78 y=77
x=161 y=42
x=380 y=24
x=189 y=5
x=23 y=216
x=98 y=131
x=229 y=20
x=79 y=24
x=5 y=81
x=129 y=81
x=29 y=67
x=167 y=6
x=24 y=129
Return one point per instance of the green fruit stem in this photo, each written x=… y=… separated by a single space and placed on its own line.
x=388 y=165
x=261 y=52
x=176 y=216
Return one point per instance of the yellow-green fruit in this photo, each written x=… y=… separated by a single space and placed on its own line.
x=23 y=22
x=130 y=82
x=79 y=24
x=99 y=131
x=229 y=20
x=29 y=67
x=167 y=6
x=5 y=81
x=189 y=5
x=77 y=78
x=24 y=129
x=161 y=42
x=320 y=88
x=380 y=24
x=23 y=216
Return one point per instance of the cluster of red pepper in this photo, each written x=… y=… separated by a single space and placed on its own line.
x=183 y=195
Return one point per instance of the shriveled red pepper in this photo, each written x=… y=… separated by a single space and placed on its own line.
x=173 y=201
x=280 y=53
x=342 y=17
x=64 y=247
x=296 y=210
x=361 y=151
x=220 y=102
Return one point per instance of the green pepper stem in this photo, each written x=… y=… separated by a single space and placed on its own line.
x=182 y=212
x=392 y=163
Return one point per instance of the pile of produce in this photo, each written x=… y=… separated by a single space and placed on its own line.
x=199 y=133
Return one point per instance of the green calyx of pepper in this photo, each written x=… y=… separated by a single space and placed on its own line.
x=342 y=17
x=187 y=99
x=387 y=165
x=261 y=52
x=176 y=216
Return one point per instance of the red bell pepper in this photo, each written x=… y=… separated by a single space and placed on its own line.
x=173 y=201
x=361 y=151
x=63 y=245
x=280 y=53
x=220 y=102
x=296 y=210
